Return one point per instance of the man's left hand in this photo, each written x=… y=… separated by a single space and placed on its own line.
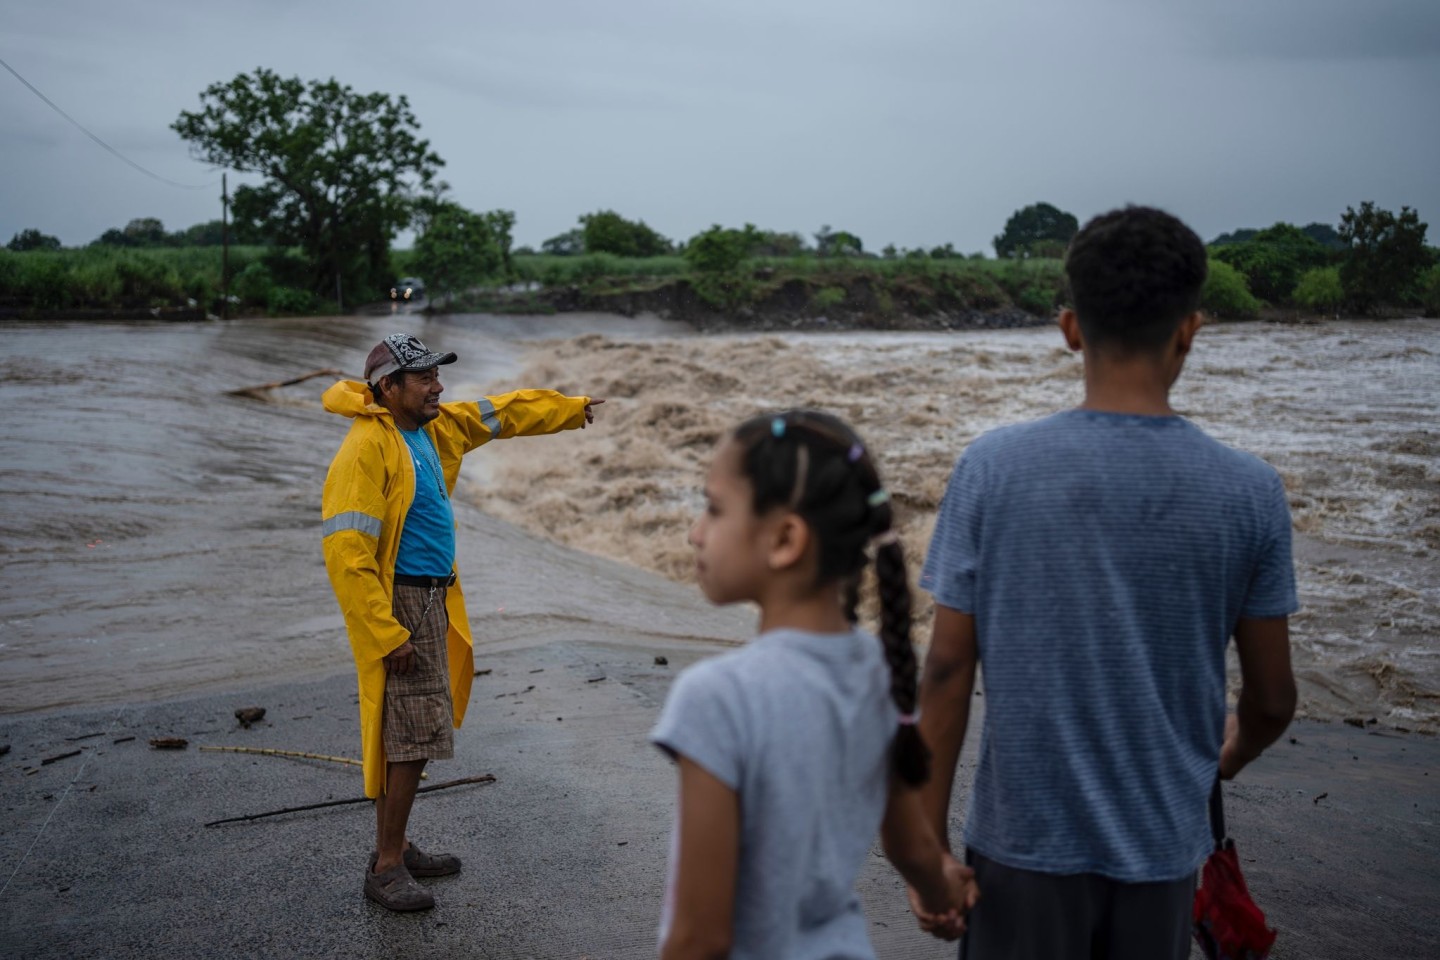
x=589 y=413
x=401 y=660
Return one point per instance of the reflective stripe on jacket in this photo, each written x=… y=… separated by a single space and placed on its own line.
x=367 y=494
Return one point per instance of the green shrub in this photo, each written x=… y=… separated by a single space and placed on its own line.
x=252 y=285
x=1226 y=295
x=594 y=266
x=9 y=273
x=146 y=280
x=1430 y=291
x=43 y=280
x=828 y=297
x=720 y=250
x=96 y=282
x=1273 y=260
x=1035 y=298
x=200 y=289
x=288 y=301
x=1320 y=290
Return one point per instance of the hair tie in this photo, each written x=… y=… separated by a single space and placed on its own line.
x=910 y=719
x=856 y=452
x=885 y=538
x=879 y=497
x=777 y=427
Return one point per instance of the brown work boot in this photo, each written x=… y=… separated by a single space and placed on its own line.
x=395 y=889
x=430 y=864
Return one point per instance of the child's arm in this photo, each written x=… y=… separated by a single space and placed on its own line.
x=946 y=687
x=703 y=913
x=1267 y=692
x=942 y=890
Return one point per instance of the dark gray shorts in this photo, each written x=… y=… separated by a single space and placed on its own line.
x=418 y=720
x=1025 y=915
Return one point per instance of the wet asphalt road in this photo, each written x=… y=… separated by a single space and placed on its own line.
x=105 y=854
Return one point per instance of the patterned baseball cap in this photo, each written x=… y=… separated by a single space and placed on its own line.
x=401 y=351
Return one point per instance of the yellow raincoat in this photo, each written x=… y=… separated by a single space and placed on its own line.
x=368 y=492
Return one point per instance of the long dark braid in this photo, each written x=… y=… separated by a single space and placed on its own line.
x=814 y=464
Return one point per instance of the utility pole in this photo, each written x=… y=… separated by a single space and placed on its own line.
x=224 y=248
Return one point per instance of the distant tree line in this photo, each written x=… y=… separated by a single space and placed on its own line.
x=1374 y=258
x=148 y=232
x=342 y=172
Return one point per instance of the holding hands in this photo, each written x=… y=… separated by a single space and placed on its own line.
x=944 y=916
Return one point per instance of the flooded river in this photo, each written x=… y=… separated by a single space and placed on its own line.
x=160 y=535
x=1349 y=413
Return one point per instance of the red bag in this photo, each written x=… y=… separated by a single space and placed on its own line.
x=1228 y=924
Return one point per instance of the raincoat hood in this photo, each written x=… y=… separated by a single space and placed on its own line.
x=351 y=398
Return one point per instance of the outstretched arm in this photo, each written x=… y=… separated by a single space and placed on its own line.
x=520 y=413
x=702 y=922
x=1267 y=692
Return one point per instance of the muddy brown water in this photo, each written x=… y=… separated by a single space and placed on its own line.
x=1349 y=413
x=161 y=536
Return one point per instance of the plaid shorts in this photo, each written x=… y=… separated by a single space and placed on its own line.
x=419 y=720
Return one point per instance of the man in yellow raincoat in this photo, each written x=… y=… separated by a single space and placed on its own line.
x=389 y=540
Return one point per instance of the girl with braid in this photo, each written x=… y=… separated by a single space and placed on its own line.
x=795 y=749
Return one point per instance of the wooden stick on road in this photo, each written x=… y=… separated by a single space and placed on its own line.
x=483 y=778
x=299 y=754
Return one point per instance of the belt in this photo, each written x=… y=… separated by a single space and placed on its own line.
x=405 y=580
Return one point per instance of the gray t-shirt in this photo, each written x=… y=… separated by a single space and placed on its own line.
x=1106 y=559
x=799 y=725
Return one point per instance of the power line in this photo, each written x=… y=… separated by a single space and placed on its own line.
x=117 y=153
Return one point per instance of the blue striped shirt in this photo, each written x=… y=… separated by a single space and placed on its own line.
x=1106 y=559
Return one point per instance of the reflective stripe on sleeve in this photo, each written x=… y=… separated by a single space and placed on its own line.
x=488 y=417
x=352 y=520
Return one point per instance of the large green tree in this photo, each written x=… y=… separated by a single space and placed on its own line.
x=1037 y=230
x=341 y=169
x=721 y=250
x=459 y=248
x=837 y=243
x=1273 y=259
x=1385 y=255
x=607 y=232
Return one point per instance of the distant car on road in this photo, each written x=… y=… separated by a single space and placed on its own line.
x=408 y=288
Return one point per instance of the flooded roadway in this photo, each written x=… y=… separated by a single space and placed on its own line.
x=160 y=536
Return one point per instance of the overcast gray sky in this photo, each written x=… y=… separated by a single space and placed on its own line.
x=913 y=122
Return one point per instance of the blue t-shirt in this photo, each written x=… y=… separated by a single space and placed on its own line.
x=1106 y=559
x=427 y=541
x=799 y=725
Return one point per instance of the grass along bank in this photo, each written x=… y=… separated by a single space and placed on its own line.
x=38 y=283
